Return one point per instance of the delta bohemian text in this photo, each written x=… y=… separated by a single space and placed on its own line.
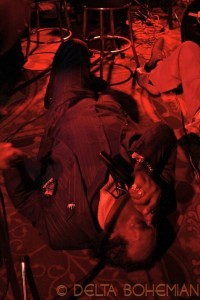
x=128 y=290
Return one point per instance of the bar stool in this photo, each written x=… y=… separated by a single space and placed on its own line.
x=109 y=6
x=33 y=34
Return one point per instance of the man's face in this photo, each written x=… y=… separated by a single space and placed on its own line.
x=132 y=227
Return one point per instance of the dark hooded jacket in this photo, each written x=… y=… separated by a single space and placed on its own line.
x=59 y=193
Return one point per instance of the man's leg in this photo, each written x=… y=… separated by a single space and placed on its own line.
x=181 y=67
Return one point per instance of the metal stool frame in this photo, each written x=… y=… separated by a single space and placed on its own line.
x=103 y=36
x=58 y=5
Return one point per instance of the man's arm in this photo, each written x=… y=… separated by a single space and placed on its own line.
x=156 y=150
x=50 y=210
x=154 y=156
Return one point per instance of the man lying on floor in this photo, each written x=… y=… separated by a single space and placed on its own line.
x=181 y=67
x=66 y=193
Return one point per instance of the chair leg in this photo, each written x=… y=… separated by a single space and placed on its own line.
x=58 y=13
x=28 y=45
x=68 y=23
x=37 y=22
x=112 y=25
x=112 y=29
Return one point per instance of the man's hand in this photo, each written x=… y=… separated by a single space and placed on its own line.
x=9 y=155
x=145 y=194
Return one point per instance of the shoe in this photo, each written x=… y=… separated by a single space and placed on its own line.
x=143 y=81
x=156 y=55
x=194 y=126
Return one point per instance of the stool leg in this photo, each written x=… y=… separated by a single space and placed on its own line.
x=84 y=22
x=112 y=26
x=58 y=12
x=37 y=5
x=68 y=23
x=28 y=43
x=28 y=36
x=132 y=39
x=112 y=29
x=102 y=42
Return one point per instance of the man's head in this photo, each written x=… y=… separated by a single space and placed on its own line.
x=130 y=242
